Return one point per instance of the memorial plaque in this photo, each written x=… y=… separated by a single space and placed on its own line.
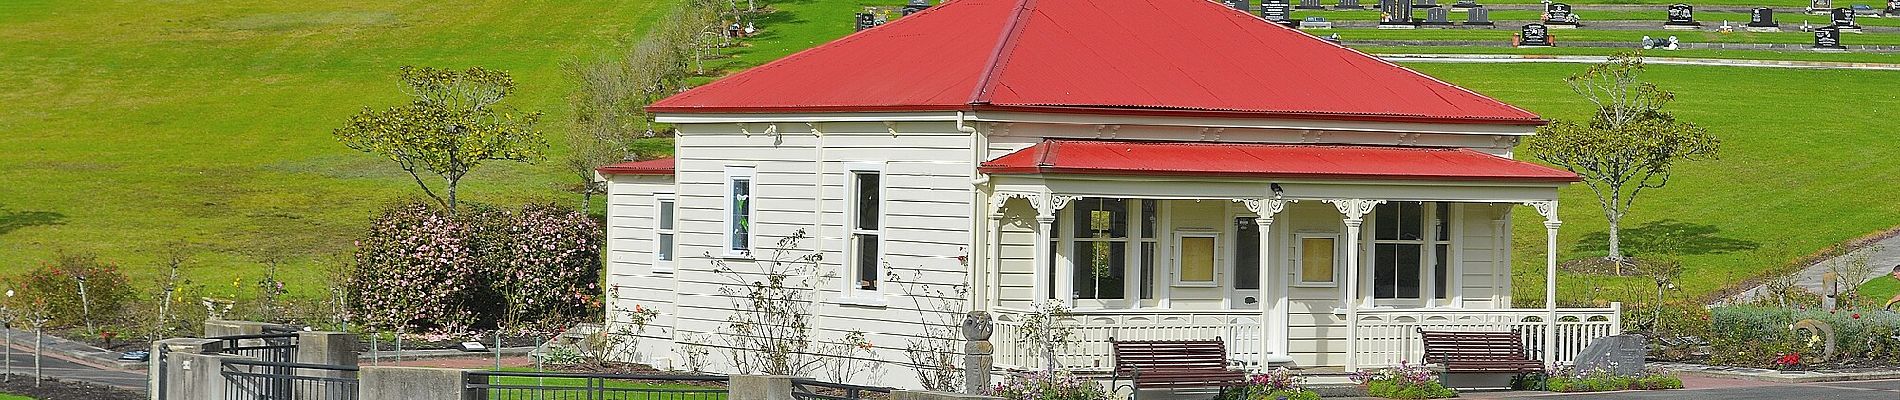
x=1828 y=38
x=915 y=6
x=1474 y=4
x=1241 y=5
x=1762 y=17
x=1276 y=11
x=1621 y=355
x=1349 y=5
x=1315 y=5
x=1893 y=7
x=866 y=21
x=1478 y=16
x=1437 y=16
x=1820 y=5
x=1681 y=15
x=1395 y=12
x=1844 y=19
x=1534 y=35
x=1424 y=3
x=1558 y=13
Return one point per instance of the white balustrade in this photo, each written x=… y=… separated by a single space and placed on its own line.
x=1389 y=336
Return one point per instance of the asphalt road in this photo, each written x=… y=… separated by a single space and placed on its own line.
x=54 y=367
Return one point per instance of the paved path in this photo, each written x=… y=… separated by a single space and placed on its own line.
x=1521 y=58
x=1881 y=257
x=56 y=367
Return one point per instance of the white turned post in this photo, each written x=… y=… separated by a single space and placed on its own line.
x=1272 y=329
x=993 y=263
x=1548 y=209
x=1045 y=221
x=1354 y=211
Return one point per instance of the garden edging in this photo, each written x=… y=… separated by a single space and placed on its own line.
x=1770 y=375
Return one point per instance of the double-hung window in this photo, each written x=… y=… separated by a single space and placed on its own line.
x=663 y=232
x=739 y=211
x=1408 y=238
x=867 y=229
x=1101 y=248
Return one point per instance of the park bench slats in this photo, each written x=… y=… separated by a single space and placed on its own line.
x=1478 y=352
x=1174 y=364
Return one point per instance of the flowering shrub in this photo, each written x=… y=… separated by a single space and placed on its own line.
x=543 y=261
x=1569 y=379
x=108 y=293
x=1276 y=384
x=1758 y=336
x=1048 y=386
x=1405 y=381
x=413 y=271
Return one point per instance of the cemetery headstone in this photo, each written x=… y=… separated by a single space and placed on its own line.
x=1241 y=5
x=1844 y=20
x=1316 y=22
x=866 y=21
x=1465 y=4
x=1424 y=3
x=1820 y=6
x=1621 y=355
x=1349 y=5
x=1277 y=11
x=1534 y=35
x=1395 y=13
x=1559 y=14
x=1437 y=16
x=915 y=6
x=1478 y=17
x=1828 y=37
x=1863 y=9
x=1893 y=7
x=1681 y=16
x=1762 y=19
x=1315 y=5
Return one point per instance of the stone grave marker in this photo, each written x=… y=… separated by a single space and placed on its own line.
x=1424 y=3
x=1534 y=35
x=1241 y=5
x=1621 y=355
x=1828 y=37
x=1843 y=19
x=1469 y=4
x=866 y=21
x=1395 y=14
x=1349 y=5
x=1820 y=6
x=1277 y=11
x=915 y=6
x=1559 y=14
x=1893 y=7
x=1315 y=5
x=1437 y=16
x=1478 y=17
x=1762 y=19
x=1681 y=16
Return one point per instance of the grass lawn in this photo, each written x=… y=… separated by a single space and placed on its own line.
x=1797 y=55
x=659 y=390
x=4 y=396
x=1710 y=19
x=1633 y=37
x=1879 y=290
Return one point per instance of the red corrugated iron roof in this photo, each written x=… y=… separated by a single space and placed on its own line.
x=1177 y=56
x=658 y=166
x=1291 y=161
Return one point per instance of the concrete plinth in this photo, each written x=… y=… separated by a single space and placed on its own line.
x=411 y=383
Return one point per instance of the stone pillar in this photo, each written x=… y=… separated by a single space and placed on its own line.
x=190 y=369
x=325 y=348
x=754 y=387
x=411 y=383
x=978 y=353
x=219 y=327
x=156 y=367
x=1831 y=285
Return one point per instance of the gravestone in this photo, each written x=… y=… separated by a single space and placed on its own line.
x=1820 y=6
x=1828 y=37
x=1349 y=5
x=1762 y=19
x=1621 y=355
x=1478 y=17
x=915 y=6
x=1534 y=35
x=1395 y=13
x=1424 y=3
x=1315 y=5
x=1681 y=16
x=1863 y=9
x=1277 y=11
x=1843 y=19
x=1559 y=14
x=866 y=21
x=1437 y=16
x=1469 y=4
x=1316 y=22
x=1893 y=7
x=1241 y=5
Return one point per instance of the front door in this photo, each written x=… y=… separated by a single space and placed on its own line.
x=1244 y=262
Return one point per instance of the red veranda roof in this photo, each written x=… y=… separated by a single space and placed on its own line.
x=1291 y=161
x=1192 y=57
x=659 y=166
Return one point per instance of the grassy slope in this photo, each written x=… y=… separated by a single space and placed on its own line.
x=134 y=126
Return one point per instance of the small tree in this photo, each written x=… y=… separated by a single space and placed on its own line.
x=769 y=331
x=1045 y=333
x=453 y=124
x=1629 y=145
x=935 y=356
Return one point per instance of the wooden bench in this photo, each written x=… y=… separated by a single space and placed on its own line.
x=1173 y=364
x=1478 y=352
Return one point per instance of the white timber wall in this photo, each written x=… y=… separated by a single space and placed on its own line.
x=631 y=278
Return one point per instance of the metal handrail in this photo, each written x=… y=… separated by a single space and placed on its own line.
x=260 y=363
x=255 y=336
x=631 y=377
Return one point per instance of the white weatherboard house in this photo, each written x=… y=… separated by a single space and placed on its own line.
x=1170 y=169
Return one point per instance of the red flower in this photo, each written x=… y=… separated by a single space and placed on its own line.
x=1788 y=360
x=1856 y=315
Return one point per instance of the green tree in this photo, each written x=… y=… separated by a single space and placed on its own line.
x=454 y=122
x=1629 y=145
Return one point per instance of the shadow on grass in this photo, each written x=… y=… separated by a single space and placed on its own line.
x=14 y=220
x=1667 y=236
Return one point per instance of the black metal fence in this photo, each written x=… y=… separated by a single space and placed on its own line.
x=812 y=389
x=265 y=380
x=504 y=385
x=270 y=347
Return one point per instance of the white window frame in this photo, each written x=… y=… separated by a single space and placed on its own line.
x=1174 y=272
x=750 y=174
x=1299 y=259
x=665 y=228
x=852 y=293
x=1428 y=253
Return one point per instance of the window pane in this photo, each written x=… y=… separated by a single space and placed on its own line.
x=1407 y=278
x=1099 y=269
x=1411 y=220
x=1316 y=260
x=1150 y=218
x=1442 y=221
x=1055 y=233
x=1147 y=271
x=666 y=215
x=1384 y=266
x=741 y=214
x=868 y=201
x=666 y=247
x=1438 y=271
x=867 y=261
x=1385 y=222
x=1101 y=218
x=1197 y=259
x=1246 y=254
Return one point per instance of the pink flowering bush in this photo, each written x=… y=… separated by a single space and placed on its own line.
x=421 y=269
x=1048 y=386
x=1276 y=384
x=1405 y=381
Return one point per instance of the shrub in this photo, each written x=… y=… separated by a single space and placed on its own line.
x=1567 y=379
x=109 y=294
x=1048 y=386
x=549 y=263
x=413 y=271
x=1405 y=381
x=1276 y=384
x=1758 y=336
